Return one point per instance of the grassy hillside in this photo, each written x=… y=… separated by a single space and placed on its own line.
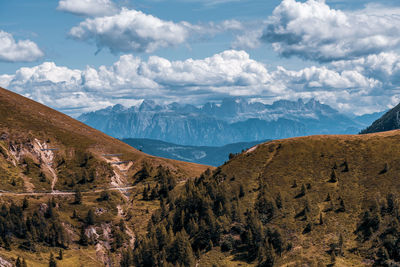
x=65 y=186
x=23 y=120
x=311 y=201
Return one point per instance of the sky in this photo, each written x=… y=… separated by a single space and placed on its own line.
x=82 y=55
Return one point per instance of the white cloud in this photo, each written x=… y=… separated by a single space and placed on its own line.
x=131 y=30
x=384 y=67
x=230 y=73
x=88 y=7
x=248 y=39
x=135 y=31
x=17 y=51
x=312 y=30
x=317 y=78
x=229 y=68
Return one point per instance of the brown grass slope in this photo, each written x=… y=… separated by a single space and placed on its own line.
x=24 y=118
x=373 y=162
x=25 y=127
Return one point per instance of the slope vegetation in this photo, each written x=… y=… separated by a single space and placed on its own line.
x=311 y=201
x=389 y=121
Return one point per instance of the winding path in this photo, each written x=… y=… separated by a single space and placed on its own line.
x=9 y=193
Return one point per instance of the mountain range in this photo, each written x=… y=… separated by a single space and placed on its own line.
x=231 y=121
x=208 y=155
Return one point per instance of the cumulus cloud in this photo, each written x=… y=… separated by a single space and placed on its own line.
x=131 y=30
x=88 y=7
x=229 y=73
x=249 y=39
x=312 y=30
x=384 y=67
x=134 y=31
x=18 y=51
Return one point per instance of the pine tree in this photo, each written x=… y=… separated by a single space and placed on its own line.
x=182 y=249
x=278 y=201
x=60 y=255
x=333 y=258
x=382 y=257
x=78 y=197
x=18 y=263
x=49 y=211
x=241 y=191
x=341 y=208
x=385 y=169
x=25 y=203
x=90 y=217
x=52 y=261
x=307 y=229
x=146 y=191
x=42 y=177
x=340 y=244
x=126 y=259
x=265 y=256
x=328 y=198
x=302 y=192
x=333 y=177
x=321 y=221
x=74 y=215
x=346 y=166
x=83 y=240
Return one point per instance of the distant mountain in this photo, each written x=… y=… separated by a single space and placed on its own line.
x=389 y=121
x=216 y=124
x=207 y=155
x=369 y=118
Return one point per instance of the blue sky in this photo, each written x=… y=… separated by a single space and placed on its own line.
x=79 y=57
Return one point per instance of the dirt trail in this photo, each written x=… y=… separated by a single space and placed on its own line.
x=8 y=193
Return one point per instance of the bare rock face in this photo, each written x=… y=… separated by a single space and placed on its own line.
x=4 y=136
x=5 y=263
